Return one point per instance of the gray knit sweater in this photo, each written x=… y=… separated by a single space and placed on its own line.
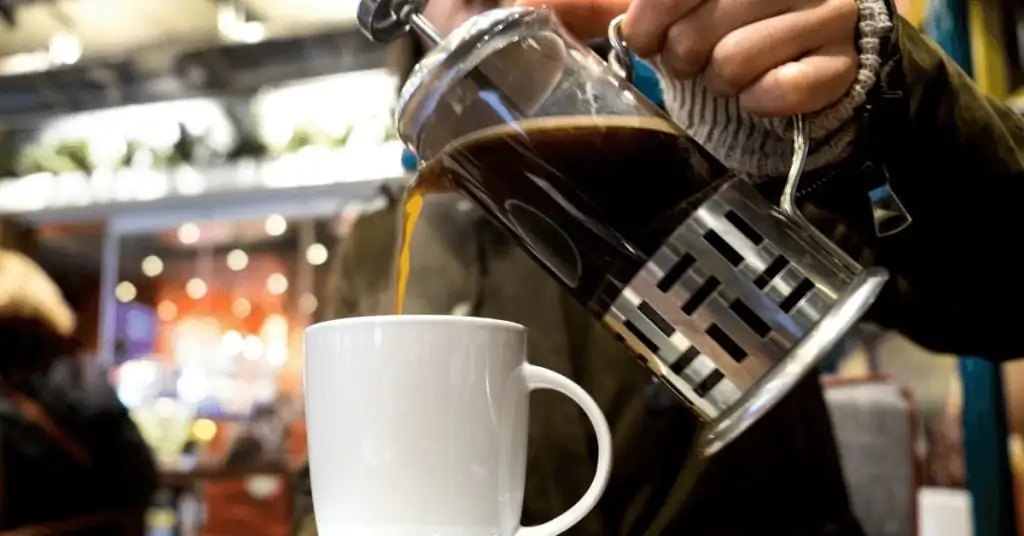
x=762 y=147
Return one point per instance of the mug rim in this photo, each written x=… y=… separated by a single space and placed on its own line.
x=403 y=319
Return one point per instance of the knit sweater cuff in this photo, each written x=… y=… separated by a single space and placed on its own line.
x=762 y=147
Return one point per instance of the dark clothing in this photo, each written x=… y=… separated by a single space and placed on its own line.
x=45 y=482
x=954 y=158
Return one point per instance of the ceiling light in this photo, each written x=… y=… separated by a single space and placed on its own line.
x=316 y=254
x=277 y=284
x=195 y=288
x=152 y=266
x=188 y=233
x=241 y=308
x=275 y=225
x=166 y=310
x=125 y=292
x=237 y=260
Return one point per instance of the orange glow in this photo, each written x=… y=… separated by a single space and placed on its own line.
x=217 y=304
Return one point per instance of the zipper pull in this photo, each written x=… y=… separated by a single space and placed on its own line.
x=889 y=214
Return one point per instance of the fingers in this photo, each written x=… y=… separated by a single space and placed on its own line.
x=746 y=54
x=583 y=18
x=647 y=21
x=447 y=15
x=780 y=57
x=804 y=86
x=690 y=41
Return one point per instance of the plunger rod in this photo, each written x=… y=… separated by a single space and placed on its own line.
x=423 y=27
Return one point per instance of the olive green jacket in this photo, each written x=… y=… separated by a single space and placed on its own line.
x=954 y=159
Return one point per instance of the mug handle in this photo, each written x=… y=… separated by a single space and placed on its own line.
x=542 y=378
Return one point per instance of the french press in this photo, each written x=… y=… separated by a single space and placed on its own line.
x=726 y=298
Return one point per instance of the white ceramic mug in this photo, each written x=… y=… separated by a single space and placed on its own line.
x=417 y=426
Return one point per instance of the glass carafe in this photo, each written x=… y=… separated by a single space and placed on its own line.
x=725 y=297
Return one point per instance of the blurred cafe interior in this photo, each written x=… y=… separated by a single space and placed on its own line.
x=187 y=171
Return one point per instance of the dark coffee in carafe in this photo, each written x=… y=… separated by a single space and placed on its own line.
x=591 y=198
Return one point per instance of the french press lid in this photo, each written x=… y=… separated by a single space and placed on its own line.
x=476 y=56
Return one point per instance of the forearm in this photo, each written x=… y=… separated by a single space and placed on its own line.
x=762 y=147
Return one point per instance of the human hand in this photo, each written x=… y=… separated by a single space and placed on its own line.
x=779 y=57
x=446 y=15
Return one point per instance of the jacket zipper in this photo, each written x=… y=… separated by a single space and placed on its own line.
x=887 y=211
x=817 y=183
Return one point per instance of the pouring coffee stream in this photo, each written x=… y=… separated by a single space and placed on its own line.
x=727 y=299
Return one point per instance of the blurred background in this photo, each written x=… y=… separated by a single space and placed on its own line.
x=186 y=171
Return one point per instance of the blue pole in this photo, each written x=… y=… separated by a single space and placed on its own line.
x=946 y=23
x=986 y=450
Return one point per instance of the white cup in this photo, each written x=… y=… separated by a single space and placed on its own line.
x=417 y=426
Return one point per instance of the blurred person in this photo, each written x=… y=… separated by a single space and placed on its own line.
x=71 y=459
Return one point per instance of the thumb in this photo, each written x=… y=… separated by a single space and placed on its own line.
x=585 y=19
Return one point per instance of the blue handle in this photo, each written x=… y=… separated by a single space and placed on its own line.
x=409 y=161
x=646 y=80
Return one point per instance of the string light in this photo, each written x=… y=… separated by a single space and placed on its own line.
x=277 y=355
x=237 y=260
x=275 y=225
x=166 y=310
x=195 y=288
x=316 y=254
x=188 y=233
x=308 y=304
x=152 y=266
x=204 y=430
x=241 y=308
x=232 y=342
x=252 y=348
x=125 y=292
x=277 y=284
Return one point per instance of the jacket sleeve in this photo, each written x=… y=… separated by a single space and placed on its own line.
x=955 y=158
